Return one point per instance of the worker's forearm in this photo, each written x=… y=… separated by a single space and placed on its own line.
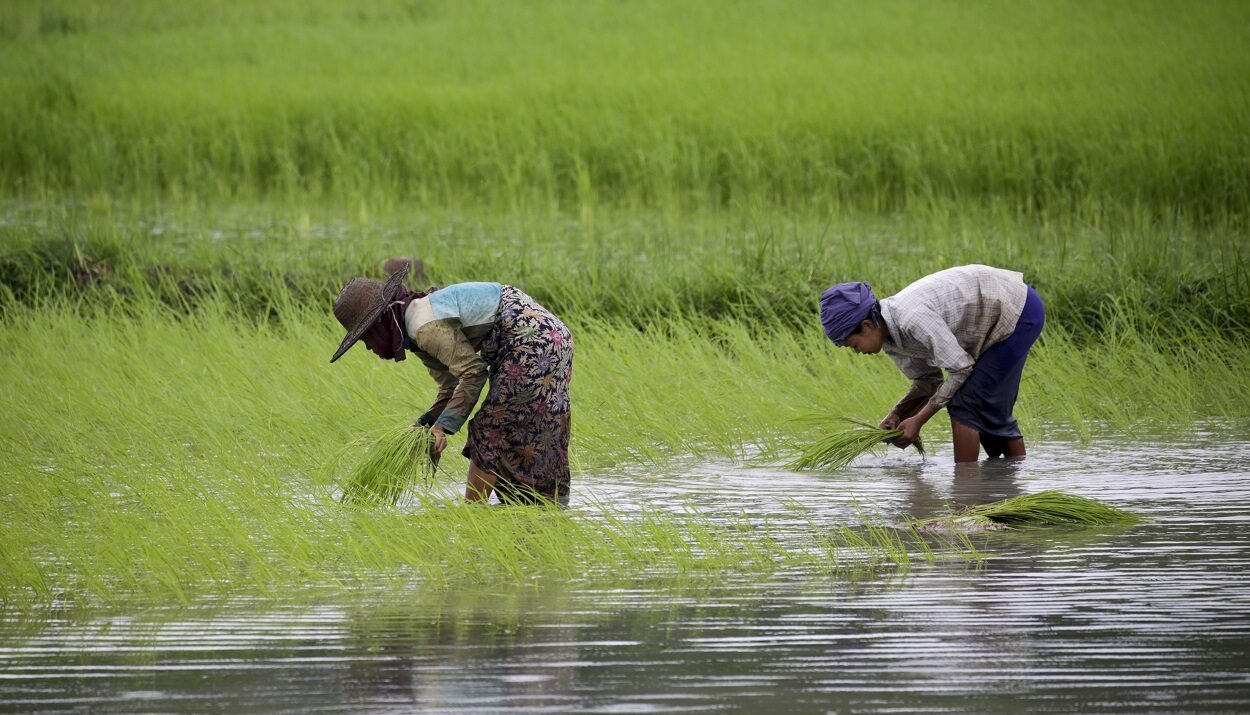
x=925 y=412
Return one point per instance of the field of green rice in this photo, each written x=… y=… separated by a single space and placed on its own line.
x=185 y=186
x=650 y=102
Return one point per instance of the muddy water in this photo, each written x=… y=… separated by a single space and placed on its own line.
x=1151 y=619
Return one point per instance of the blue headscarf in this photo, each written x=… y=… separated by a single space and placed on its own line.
x=843 y=307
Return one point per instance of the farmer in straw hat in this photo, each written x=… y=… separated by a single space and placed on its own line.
x=975 y=322
x=518 y=443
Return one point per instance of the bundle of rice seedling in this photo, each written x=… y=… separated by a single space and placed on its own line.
x=1048 y=508
x=839 y=448
x=395 y=461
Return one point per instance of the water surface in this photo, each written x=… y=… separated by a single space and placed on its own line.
x=1154 y=618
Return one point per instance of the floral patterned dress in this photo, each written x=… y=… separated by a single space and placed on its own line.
x=520 y=432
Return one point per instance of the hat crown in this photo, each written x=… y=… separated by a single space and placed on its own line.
x=356 y=300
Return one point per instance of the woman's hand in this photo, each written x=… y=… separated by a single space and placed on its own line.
x=440 y=440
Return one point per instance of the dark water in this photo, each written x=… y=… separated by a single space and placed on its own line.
x=1155 y=618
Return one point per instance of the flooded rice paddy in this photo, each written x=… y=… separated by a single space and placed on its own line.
x=1153 y=618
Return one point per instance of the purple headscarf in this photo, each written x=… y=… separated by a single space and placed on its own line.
x=843 y=307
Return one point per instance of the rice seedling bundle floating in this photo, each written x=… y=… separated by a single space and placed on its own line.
x=838 y=449
x=397 y=460
x=1044 y=509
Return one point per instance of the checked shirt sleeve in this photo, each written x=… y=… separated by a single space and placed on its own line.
x=930 y=330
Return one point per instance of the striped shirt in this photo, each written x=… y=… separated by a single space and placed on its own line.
x=944 y=321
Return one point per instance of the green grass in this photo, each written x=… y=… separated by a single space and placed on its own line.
x=633 y=161
x=185 y=186
x=658 y=102
x=1050 y=508
x=176 y=456
x=1096 y=271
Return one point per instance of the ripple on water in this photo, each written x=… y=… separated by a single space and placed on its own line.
x=1152 y=618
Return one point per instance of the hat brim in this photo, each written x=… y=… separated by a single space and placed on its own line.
x=388 y=294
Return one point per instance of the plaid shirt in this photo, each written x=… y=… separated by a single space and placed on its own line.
x=944 y=321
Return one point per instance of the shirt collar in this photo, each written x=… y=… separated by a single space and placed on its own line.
x=887 y=317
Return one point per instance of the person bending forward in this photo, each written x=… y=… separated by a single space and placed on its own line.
x=976 y=323
x=465 y=334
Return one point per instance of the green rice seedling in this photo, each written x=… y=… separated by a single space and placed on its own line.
x=221 y=492
x=1044 y=509
x=838 y=449
x=396 y=460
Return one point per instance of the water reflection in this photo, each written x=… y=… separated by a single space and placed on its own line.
x=477 y=646
x=932 y=492
x=1147 y=619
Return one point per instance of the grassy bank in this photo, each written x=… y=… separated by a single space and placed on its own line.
x=877 y=106
x=1095 y=269
x=177 y=456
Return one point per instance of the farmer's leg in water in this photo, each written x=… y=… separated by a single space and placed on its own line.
x=993 y=444
x=1013 y=448
x=480 y=484
x=967 y=442
x=996 y=446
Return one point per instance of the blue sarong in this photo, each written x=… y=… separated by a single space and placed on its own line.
x=987 y=398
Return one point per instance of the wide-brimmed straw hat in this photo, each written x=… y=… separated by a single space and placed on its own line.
x=361 y=302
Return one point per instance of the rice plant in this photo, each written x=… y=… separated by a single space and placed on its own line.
x=224 y=491
x=840 y=447
x=638 y=267
x=669 y=102
x=1043 y=509
x=395 y=462
x=164 y=236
